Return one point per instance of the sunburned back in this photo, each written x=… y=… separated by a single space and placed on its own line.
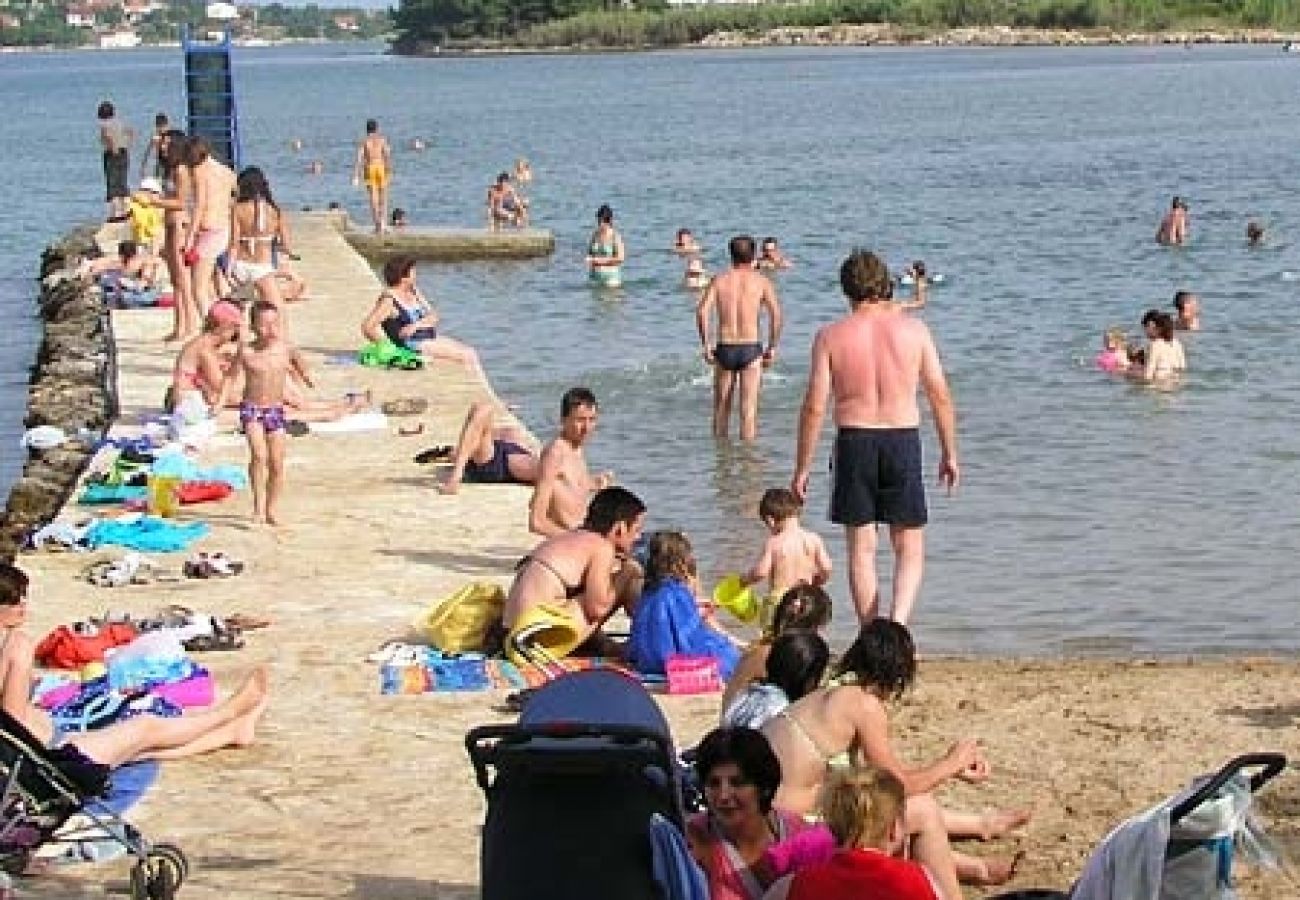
x=551 y=572
x=875 y=363
x=823 y=727
x=739 y=297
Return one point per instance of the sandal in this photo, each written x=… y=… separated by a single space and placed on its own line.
x=441 y=453
x=211 y=565
x=405 y=406
x=223 y=637
x=295 y=428
x=404 y=431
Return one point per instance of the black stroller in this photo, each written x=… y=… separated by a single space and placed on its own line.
x=1207 y=824
x=571 y=791
x=40 y=790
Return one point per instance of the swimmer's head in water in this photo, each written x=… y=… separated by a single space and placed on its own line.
x=371 y=126
x=1114 y=339
x=605 y=215
x=1178 y=203
x=864 y=278
x=741 y=248
x=669 y=555
x=684 y=236
x=397 y=269
x=1186 y=303
x=1254 y=232
x=883 y=657
x=616 y=513
x=918 y=268
x=398 y=218
x=106 y=110
x=770 y=246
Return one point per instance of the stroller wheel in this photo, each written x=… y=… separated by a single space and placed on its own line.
x=173 y=856
x=139 y=882
x=15 y=862
x=154 y=878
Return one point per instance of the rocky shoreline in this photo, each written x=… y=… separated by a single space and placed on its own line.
x=72 y=387
x=887 y=35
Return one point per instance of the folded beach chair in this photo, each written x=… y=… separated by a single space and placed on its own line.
x=573 y=791
x=1182 y=848
x=40 y=790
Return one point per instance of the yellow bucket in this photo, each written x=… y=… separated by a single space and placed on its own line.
x=732 y=595
x=163 y=498
x=548 y=628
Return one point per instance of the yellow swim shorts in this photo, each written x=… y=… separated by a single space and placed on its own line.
x=376 y=175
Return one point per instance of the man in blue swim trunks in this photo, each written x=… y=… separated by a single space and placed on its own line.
x=872 y=362
x=486 y=454
x=740 y=296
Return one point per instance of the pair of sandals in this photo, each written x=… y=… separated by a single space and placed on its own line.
x=131 y=569
x=211 y=565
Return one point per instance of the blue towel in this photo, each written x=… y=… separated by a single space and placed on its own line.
x=675 y=871
x=667 y=621
x=148 y=533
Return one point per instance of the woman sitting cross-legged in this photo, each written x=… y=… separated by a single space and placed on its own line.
x=864 y=810
x=846 y=724
x=231 y=724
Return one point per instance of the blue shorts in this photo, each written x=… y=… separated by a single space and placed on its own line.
x=877 y=477
x=497 y=469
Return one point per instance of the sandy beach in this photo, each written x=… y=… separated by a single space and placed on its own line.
x=347 y=793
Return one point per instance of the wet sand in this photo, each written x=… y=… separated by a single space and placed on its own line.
x=351 y=794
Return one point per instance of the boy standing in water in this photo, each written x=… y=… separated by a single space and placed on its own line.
x=374 y=166
x=267 y=364
x=792 y=555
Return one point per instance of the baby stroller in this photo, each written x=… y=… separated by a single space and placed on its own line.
x=1182 y=848
x=40 y=790
x=572 y=790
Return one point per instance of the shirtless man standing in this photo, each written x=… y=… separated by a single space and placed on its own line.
x=564 y=485
x=267 y=364
x=208 y=235
x=740 y=294
x=585 y=572
x=871 y=362
x=374 y=166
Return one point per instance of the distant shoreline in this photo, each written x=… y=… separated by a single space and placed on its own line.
x=878 y=35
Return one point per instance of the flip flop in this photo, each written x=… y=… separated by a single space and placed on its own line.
x=247 y=622
x=404 y=431
x=405 y=406
x=294 y=428
x=441 y=453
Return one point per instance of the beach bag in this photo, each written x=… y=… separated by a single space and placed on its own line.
x=461 y=622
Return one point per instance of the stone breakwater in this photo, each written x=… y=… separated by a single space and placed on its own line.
x=72 y=387
x=885 y=35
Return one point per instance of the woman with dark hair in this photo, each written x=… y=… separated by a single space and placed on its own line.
x=794 y=669
x=403 y=316
x=256 y=228
x=804 y=607
x=1165 y=360
x=846 y=724
x=605 y=251
x=173 y=150
x=740 y=777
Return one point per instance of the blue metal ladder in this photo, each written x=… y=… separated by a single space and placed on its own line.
x=210 y=95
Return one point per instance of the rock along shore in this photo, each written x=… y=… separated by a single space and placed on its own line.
x=72 y=387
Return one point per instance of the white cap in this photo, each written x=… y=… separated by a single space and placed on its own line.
x=151 y=184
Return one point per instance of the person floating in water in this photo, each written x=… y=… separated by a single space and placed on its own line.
x=740 y=296
x=1114 y=353
x=398 y=219
x=605 y=251
x=374 y=168
x=685 y=244
x=1173 y=227
x=1254 y=234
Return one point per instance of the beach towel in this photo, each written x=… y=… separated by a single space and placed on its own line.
x=147 y=533
x=176 y=464
x=97 y=494
x=666 y=622
x=674 y=869
x=387 y=355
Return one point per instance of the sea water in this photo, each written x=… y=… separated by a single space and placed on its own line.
x=1094 y=515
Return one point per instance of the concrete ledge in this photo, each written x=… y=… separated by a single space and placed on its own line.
x=443 y=244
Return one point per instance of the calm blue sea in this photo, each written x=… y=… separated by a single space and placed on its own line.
x=1095 y=517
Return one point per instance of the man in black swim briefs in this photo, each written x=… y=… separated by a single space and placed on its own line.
x=872 y=362
x=486 y=454
x=739 y=296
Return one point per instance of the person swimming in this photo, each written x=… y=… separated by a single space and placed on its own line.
x=697 y=277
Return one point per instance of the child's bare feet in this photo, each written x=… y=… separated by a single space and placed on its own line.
x=1002 y=821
